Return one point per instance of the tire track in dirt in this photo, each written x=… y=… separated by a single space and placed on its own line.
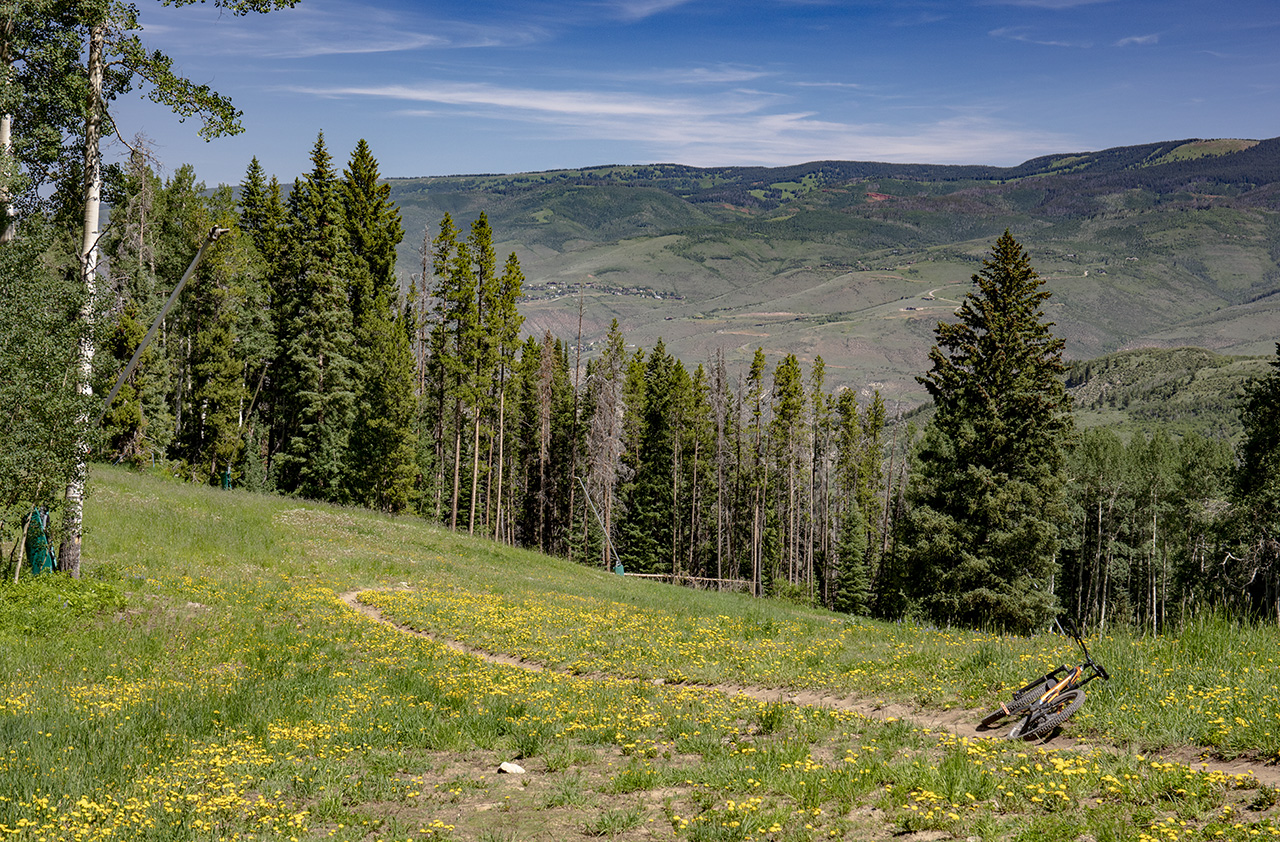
x=958 y=721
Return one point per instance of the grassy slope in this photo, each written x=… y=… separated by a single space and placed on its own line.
x=237 y=695
x=1160 y=245
x=1178 y=390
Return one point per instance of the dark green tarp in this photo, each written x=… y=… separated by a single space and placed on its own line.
x=42 y=560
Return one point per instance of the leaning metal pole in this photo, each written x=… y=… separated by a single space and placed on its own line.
x=616 y=561
x=214 y=234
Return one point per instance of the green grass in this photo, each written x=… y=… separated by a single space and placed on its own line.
x=235 y=696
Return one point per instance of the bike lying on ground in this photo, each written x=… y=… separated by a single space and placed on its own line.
x=1046 y=702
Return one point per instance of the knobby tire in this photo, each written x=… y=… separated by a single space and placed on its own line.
x=1039 y=723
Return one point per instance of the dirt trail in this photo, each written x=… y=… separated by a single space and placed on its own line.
x=961 y=722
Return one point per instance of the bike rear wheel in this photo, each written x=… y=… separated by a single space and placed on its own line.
x=1022 y=700
x=1041 y=720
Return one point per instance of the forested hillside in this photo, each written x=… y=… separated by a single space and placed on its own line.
x=1164 y=245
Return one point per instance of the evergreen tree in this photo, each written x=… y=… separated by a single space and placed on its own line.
x=139 y=425
x=485 y=357
x=382 y=459
x=439 y=366
x=818 y=555
x=506 y=322
x=987 y=482
x=646 y=534
x=458 y=343
x=381 y=462
x=266 y=319
x=567 y=512
x=373 y=232
x=1255 y=554
x=317 y=398
x=533 y=379
x=852 y=592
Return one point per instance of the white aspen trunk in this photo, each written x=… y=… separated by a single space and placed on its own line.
x=69 y=552
x=8 y=224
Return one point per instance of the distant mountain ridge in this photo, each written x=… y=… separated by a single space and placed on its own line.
x=1156 y=245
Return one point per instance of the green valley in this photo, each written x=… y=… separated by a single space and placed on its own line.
x=1161 y=245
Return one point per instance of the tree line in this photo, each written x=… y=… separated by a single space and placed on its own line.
x=295 y=362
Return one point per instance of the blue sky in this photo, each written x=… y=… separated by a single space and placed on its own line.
x=440 y=88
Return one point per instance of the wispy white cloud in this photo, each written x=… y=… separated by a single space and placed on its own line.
x=844 y=85
x=640 y=9
x=559 y=102
x=723 y=74
x=920 y=18
x=1026 y=35
x=1138 y=39
x=326 y=29
x=743 y=127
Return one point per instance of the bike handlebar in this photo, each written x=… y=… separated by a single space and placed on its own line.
x=1070 y=628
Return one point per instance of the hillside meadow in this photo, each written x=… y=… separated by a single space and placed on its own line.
x=206 y=680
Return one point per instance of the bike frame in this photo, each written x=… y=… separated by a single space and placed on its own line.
x=1072 y=680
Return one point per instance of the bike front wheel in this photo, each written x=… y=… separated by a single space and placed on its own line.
x=1042 y=719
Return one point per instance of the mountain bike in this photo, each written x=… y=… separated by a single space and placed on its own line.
x=1049 y=700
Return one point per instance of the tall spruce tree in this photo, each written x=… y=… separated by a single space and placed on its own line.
x=646 y=528
x=264 y=220
x=139 y=425
x=485 y=360
x=987 y=482
x=382 y=454
x=318 y=377
x=373 y=232
x=383 y=447
x=1255 y=556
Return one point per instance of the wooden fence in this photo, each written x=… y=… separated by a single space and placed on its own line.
x=702 y=583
